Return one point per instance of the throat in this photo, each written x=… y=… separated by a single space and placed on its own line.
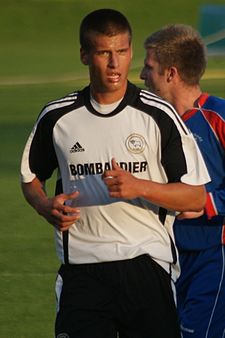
x=103 y=108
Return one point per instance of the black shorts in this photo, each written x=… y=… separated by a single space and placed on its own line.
x=127 y=299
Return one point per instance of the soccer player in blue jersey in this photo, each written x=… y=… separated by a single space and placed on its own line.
x=133 y=163
x=174 y=64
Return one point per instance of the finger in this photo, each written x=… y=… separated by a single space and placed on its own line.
x=58 y=208
x=61 y=203
x=111 y=174
x=108 y=178
x=115 y=194
x=72 y=195
x=71 y=210
x=115 y=166
x=110 y=181
x=64 y=226
x=108 y=174
x=69 y=214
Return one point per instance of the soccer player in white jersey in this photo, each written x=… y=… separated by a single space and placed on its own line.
x=126 y=163
x=174 y=64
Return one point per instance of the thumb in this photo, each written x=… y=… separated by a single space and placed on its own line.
x=115 y=166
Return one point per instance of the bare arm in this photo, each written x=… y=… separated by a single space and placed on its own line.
x=173 y=196
x=190 y=214
x=53 y=209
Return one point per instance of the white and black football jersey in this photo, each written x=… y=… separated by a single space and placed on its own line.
x=146 y=137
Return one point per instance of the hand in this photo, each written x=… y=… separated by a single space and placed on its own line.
x=120 y=183
x=190 y=214
x=58 y=213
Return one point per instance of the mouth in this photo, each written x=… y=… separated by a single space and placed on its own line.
x=113 y=77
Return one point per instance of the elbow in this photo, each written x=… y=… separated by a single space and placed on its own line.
x=195 y=199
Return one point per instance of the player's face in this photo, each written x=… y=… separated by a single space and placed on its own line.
x=155 y=80
x=109 y=61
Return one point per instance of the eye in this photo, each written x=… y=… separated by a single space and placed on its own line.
x=122 y=51
x=103 y=52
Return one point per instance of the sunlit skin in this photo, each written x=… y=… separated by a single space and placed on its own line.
x=109 y=61
x=154 y=78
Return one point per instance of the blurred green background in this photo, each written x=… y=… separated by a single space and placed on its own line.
x=39 y=61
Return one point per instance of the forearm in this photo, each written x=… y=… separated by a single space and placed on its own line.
x=35 y=194
x=173 y=196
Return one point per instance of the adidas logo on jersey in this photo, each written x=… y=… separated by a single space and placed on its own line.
x=76 y=148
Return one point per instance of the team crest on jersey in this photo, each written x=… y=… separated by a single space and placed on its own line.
x=63 y=335
x=135 y=143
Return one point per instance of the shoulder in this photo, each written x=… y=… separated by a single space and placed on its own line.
x=53 y=110
x=216 y=104
x=161 y=110
x=154 y=101
x=60 y=103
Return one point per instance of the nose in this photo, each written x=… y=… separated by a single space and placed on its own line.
x=113 y=60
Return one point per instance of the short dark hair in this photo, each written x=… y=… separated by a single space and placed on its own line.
x=181 y=46
x=104 y=21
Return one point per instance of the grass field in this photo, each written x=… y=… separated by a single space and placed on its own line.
x=39 y=62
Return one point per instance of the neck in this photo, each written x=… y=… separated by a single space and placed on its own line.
x=185 y=98
x=108 y=97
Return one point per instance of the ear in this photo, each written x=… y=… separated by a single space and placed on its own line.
x=171 y=73
x=84 y=56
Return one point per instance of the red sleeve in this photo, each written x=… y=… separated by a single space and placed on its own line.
x=210 y=208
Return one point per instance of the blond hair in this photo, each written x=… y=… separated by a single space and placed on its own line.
x=180 y=46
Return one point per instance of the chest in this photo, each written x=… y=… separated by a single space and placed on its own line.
x=130 y=136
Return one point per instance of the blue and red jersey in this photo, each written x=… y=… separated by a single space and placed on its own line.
x=207 y=123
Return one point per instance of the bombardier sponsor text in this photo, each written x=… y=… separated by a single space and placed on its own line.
x=98 y=168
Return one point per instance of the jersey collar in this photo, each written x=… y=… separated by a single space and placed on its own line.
x=200 y=102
